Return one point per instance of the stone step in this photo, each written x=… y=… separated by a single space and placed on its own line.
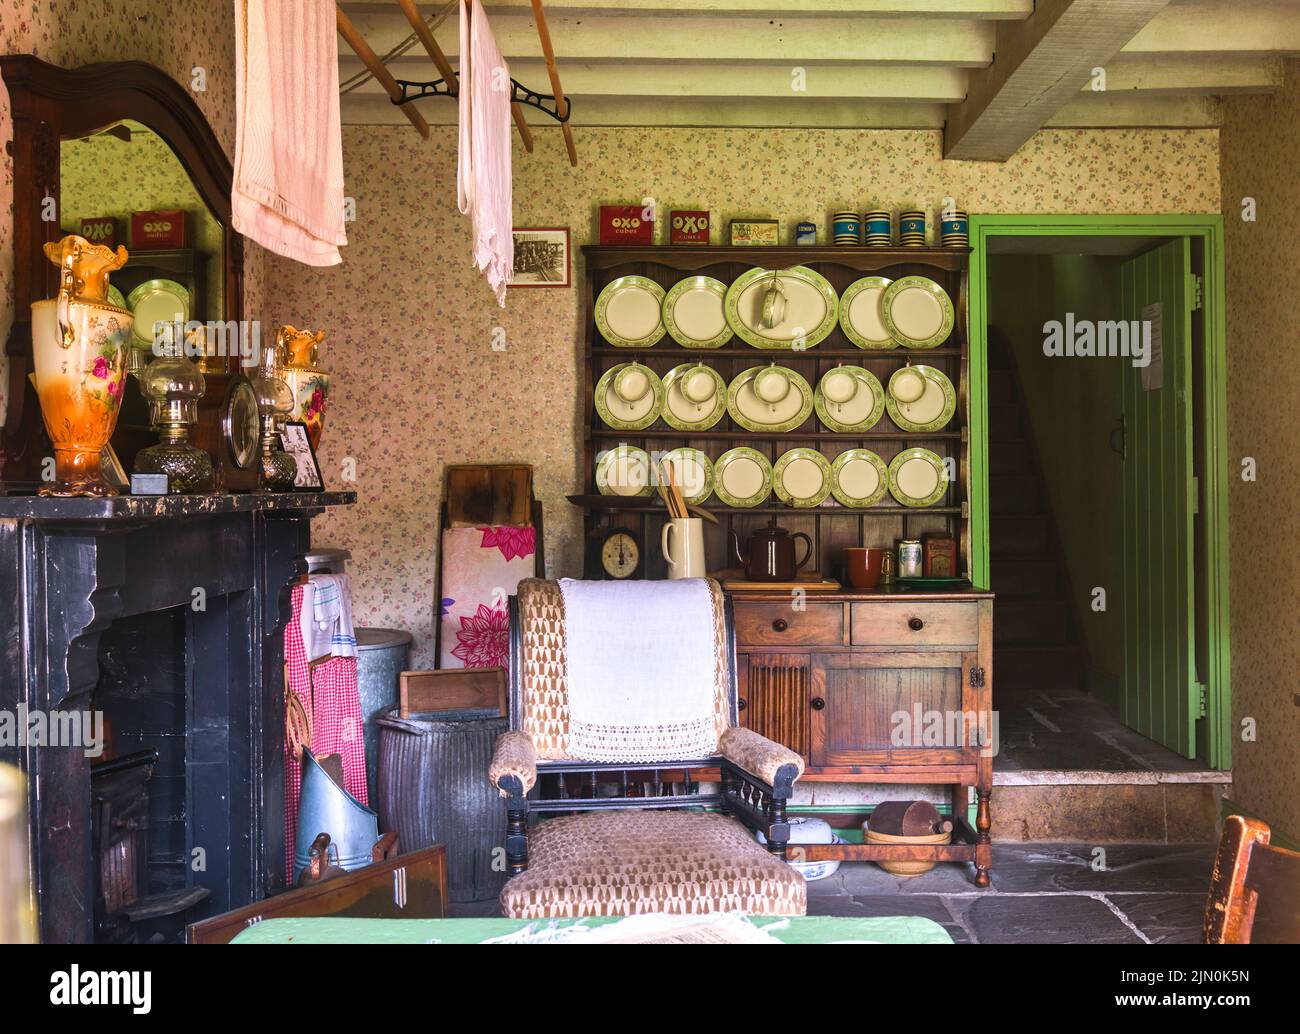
x=1035 y=576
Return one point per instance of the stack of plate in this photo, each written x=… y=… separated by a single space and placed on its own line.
x=911 y=229
x=846 y=229
x=877 y=229
x=954 y=229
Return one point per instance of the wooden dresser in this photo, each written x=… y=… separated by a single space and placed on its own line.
x=887 y=686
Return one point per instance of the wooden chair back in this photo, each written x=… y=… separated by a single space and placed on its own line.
x=1254 y=888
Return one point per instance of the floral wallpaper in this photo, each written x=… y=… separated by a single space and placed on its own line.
x=1260 y=142
x=429 y=371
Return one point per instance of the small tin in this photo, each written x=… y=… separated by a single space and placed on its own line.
x=754 y=232
x=877 y=229
x=954 y=229
x=689 y=227
x=938 y=556
x=846 y=229
x=805 y=234
x=623 y=224
x=909 y=558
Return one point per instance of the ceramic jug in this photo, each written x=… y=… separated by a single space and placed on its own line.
x=310 y=384
x=79 y=350
x=769 y=554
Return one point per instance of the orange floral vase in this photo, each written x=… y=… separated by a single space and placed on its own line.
x=309 y=384
x=79 y=347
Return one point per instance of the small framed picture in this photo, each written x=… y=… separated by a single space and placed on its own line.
x=297 y=444
x=541 y=257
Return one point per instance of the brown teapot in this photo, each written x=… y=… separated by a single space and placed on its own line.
x=771 y=554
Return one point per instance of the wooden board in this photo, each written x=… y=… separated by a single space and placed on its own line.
x=453 y=689
x=739 y=585
x=488 y=494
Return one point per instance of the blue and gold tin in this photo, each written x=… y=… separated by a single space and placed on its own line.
x=846 y=229
x=805 y=234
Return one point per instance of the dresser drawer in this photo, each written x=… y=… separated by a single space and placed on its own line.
x=915 y=624
x=779 y=624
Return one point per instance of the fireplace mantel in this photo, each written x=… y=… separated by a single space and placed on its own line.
x=70 y=568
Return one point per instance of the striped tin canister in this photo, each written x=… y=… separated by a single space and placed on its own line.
x=846 y=229
x=954 y=229
x=877 y=229
x=911 y=229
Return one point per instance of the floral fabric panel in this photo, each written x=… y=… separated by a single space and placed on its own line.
x=481 y=568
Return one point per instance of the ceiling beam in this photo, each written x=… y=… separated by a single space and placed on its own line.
x=1239 y=28
x=1041 y=64
x=1138 y=111
x=981 y=9
x=1175 y=74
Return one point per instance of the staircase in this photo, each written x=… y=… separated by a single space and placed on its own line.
x=1036 y=641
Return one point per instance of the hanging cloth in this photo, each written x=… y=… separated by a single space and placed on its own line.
x=483 y=170
x=287 y=193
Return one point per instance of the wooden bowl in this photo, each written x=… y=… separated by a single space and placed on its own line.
x=905 y=868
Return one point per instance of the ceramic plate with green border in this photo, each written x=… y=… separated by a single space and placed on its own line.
x=115 y=297
x=625 y=471
x=154 y=302
x=682 y=460
x=788 y=413
x=807 y=315
x=860 y=314
x=859 y=478
x=932 y=411
x=917 y=477
x=685 y=414
x=629 y=312
x=859 y=413
x=624 y=415
x=917 y=312
x=695 y=313
x=742 y=477
x=802 y=478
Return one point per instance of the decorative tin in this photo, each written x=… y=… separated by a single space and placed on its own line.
x=689 y=227
x=754 y=232
x=939 y=556
x=101 y=229
x=909 y=558
x=159 y=230
x=911 y=229
x=954 y=229
x=805 y=234
x=846 y=229
x=626 y=224
x=877 y=228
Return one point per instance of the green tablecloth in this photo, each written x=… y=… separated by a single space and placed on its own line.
x=796 y=930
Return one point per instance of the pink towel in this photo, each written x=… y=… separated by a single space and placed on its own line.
x=483 y=174
x=288 y=185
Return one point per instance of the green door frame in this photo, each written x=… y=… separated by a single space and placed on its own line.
x=1208 y=229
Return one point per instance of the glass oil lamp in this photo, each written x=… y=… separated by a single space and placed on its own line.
x=275 y=400
x=172 y=385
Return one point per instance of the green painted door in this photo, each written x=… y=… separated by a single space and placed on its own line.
x=1159 y=695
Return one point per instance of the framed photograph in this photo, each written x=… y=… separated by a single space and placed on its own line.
x=297 y=444
x=541 y=257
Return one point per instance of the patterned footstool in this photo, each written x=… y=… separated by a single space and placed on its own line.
x=618 y=863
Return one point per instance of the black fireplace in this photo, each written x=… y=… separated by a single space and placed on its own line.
x=161 y=617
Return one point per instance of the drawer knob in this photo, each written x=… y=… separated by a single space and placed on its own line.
x=817 y=703
x=780 y=625
x=741 y=704
x=915 y=624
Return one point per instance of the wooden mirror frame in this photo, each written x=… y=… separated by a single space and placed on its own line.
x=50 y=105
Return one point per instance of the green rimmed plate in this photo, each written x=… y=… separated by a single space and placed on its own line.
x=629 y=312
x=917 y=477
x=932 y=411
x=802 y=478
x=154 y=302
x=625 y=471
x=753 y=414
x=859 y=413
x=917 y=312
x=860 y=314
x=859 y=478
x=693 y=472
x=694 y=312
x=811 y=308
x=622 y=414
x=115 y=297
x=742 y=477
x=684 y=414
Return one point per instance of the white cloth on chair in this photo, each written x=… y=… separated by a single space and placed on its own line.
x=641 y=670
x=483 y=188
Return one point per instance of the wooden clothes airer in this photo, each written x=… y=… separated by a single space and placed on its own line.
x=402 y=91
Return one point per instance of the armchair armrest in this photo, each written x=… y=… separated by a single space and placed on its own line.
x=760 y=757
x=513 y=756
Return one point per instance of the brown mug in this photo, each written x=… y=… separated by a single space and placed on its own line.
x=863 y=564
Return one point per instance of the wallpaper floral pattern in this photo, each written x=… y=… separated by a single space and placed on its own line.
x=1260 y=144
x=411 y=327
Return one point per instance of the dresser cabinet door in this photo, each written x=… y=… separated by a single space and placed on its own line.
x=891 y=708
x=773 y=690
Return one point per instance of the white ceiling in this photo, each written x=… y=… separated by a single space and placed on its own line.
x=861 y=63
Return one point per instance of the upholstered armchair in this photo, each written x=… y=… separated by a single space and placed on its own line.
x=630 y=855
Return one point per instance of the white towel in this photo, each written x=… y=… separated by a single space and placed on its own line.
x=287 y=193
x=642 y=661
x=483 y=189
x=326 y=617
